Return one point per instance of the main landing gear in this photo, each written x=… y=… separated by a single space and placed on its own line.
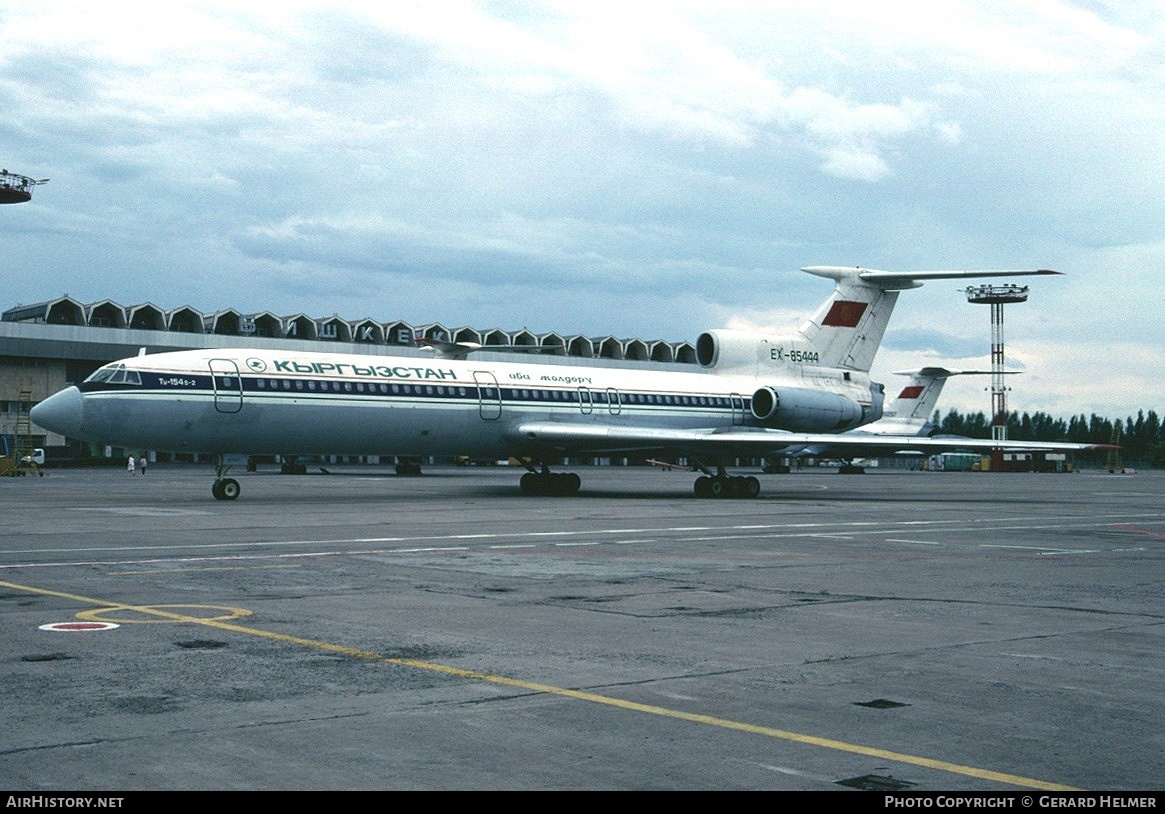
x=744 y=486
x=539 y=480
x=544 y=482
x=724 y=485
x=408 y=466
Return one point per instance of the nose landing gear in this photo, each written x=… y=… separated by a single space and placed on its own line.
x=225 y=488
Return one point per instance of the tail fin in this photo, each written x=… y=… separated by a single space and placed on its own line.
x=846 y=331
x=911 y=412
x=912 y=409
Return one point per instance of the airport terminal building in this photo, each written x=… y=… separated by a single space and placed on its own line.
x=47 y=346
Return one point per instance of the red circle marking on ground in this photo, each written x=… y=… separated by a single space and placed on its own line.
x=74 y=626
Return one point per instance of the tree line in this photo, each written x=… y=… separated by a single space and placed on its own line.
x=1141 y=439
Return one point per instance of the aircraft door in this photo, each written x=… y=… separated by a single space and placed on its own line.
x=614 y=404
x=586 y=403
x=227 y=384
x=737 y=408
x=489 y=395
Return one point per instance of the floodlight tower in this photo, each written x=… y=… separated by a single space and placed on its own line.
x=996 y=296
x=16 y=188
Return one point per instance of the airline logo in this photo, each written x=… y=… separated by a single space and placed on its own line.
x=845 y=314
x=371 y=370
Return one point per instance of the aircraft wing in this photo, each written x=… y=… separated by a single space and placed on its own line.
x=573 y=438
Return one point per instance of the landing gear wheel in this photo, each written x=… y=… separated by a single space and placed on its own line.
x=551 y=483
x=573 y=483
x=727 y=487
x=225 y=489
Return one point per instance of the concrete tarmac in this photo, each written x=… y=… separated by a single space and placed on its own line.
x=908 y=631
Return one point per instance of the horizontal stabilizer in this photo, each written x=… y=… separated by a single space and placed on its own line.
x=912 y=279
x=946 y=372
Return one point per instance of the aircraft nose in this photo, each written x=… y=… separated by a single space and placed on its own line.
x=60 y=413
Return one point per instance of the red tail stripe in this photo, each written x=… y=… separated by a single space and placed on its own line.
x=845 y=314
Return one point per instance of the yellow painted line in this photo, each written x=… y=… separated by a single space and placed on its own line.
x=155 y=615
x=580 y=695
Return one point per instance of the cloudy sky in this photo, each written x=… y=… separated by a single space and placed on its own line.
x=641 y=169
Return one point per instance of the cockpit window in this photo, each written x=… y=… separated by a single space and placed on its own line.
x=102 y=374
x=115 y=374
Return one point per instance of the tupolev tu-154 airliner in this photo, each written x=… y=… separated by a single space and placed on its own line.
x=752 y=395
x=909 y=414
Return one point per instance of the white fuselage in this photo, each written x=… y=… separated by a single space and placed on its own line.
x=276 y=402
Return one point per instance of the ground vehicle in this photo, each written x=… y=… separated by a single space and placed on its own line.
x=30 y=462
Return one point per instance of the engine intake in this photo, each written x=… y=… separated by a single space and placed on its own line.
x=726 y=349
x=801 y=410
